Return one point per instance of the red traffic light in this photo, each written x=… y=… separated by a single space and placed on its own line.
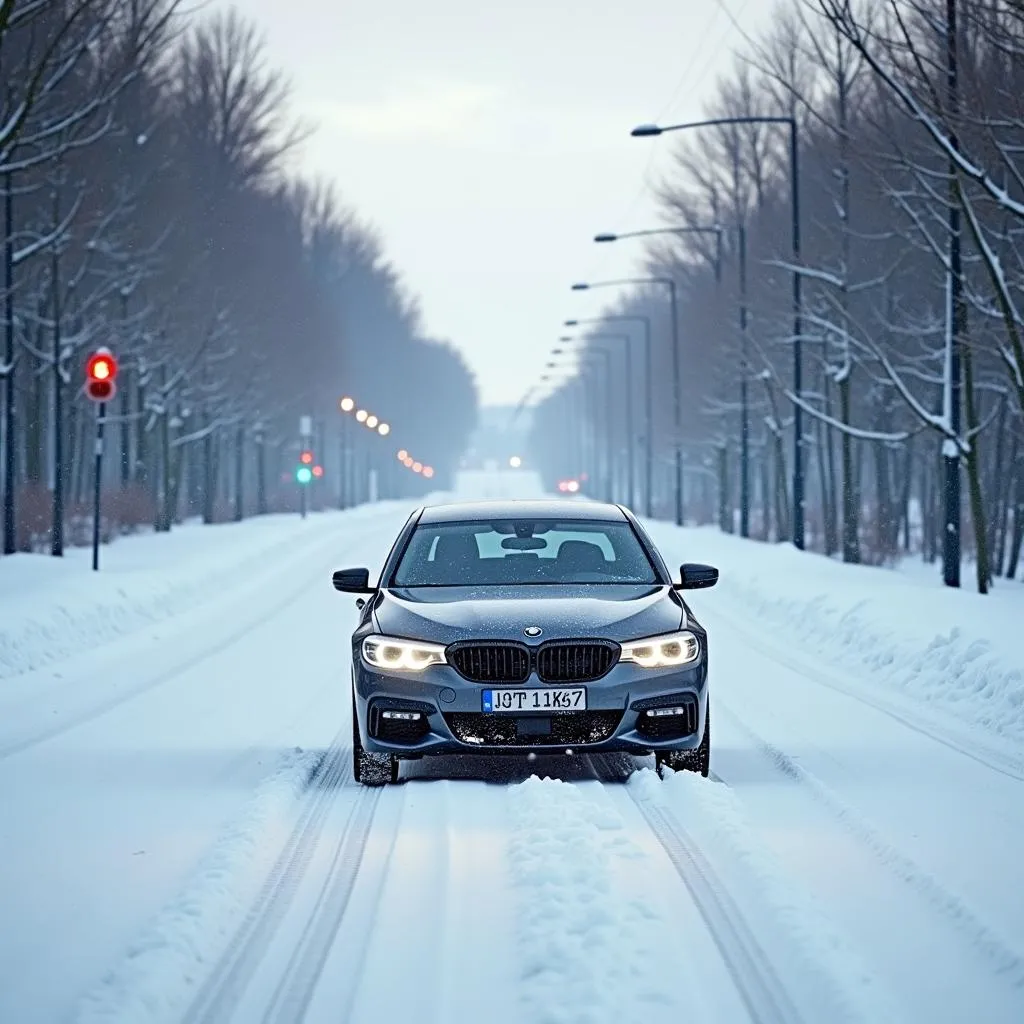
x=101 y=376
x=318 y=471
x=306 y=458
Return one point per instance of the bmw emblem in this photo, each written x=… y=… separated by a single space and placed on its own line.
x=532 y=631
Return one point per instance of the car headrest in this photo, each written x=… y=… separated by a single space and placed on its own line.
x=581 y=555
x=456 y=548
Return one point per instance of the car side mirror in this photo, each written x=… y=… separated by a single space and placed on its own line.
x=352 y=581
x=694 y=576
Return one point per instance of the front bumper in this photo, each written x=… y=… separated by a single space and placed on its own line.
x=450 y=719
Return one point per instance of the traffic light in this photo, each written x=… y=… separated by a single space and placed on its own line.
x=305 y=471
x=101 y=376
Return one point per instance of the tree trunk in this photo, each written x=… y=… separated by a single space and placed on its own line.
x=883 y=503
x=1018 y=526
x=261 y=475
x=165 y=497
x=209 y=472
x=765 y=489
x=984 y=573
x=57 y=516
x=1007 y=482
x=851 y=497
x=827 y=474
x=908 y=495
x=724 y=518
x=141 y=474
x=239 y=473
x=125 y=432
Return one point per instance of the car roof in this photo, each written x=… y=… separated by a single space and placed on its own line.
x=593 y=511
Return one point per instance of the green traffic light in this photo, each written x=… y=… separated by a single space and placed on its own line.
x=303 y=474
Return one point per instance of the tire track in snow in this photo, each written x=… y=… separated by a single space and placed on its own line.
x=85 y=715
x=189 y=932
x=223 y=986
x=758 y=984
x=297 y=984
x=1005 y=959
x=996 y=760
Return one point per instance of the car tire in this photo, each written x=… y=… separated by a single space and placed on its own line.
x=698 y=760
x=370 y=769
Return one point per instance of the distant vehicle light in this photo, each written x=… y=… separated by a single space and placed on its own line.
x=515 y=462
x=572 y=486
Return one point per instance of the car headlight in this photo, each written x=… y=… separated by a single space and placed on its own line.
x=393 y=655
x=666 y=651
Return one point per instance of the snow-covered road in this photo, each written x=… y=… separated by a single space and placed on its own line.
x=181 y=839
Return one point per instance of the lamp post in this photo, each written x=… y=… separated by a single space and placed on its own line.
x=609 y=436
x=717 y=230
x=570 y=421
x=676 y=389
x=649 y=130
x=346 y=405
x=630 y=459
x=648 y=396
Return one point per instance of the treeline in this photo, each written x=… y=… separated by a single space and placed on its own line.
x=910 y=127
x=151 y=205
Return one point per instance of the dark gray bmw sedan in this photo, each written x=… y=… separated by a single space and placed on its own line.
x=527 y=627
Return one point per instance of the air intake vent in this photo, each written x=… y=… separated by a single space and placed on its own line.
x=491 y=662
x=576 y=662
x=568 y=729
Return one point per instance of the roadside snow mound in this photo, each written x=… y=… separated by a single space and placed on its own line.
x=52 y=608
x=899 y=632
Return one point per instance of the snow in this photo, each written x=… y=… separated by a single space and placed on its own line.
x=952 y=655
x=585 y=950
x=51 y=608
x=191 y=930
x=166 y=856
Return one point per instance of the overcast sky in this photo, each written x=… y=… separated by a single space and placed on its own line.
x=488 y=141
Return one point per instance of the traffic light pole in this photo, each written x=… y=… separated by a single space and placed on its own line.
x=101 y=416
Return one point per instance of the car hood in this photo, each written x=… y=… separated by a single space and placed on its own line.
x=447 y=614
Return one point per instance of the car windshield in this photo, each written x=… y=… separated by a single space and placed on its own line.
x=519 y=551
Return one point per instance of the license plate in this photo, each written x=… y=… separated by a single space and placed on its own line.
x=555 y=698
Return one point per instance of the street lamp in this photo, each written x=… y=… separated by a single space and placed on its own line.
x=361 y=415
x=648 y=396
x=716 y=230
x=677 y=404
x=384 y=429
x=630 y=453
x=610 y=438
x=372 y=421
x=649 y=130
x=568 y=409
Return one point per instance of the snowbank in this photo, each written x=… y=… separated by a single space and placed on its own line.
x=898 y=632
x=51 y=608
